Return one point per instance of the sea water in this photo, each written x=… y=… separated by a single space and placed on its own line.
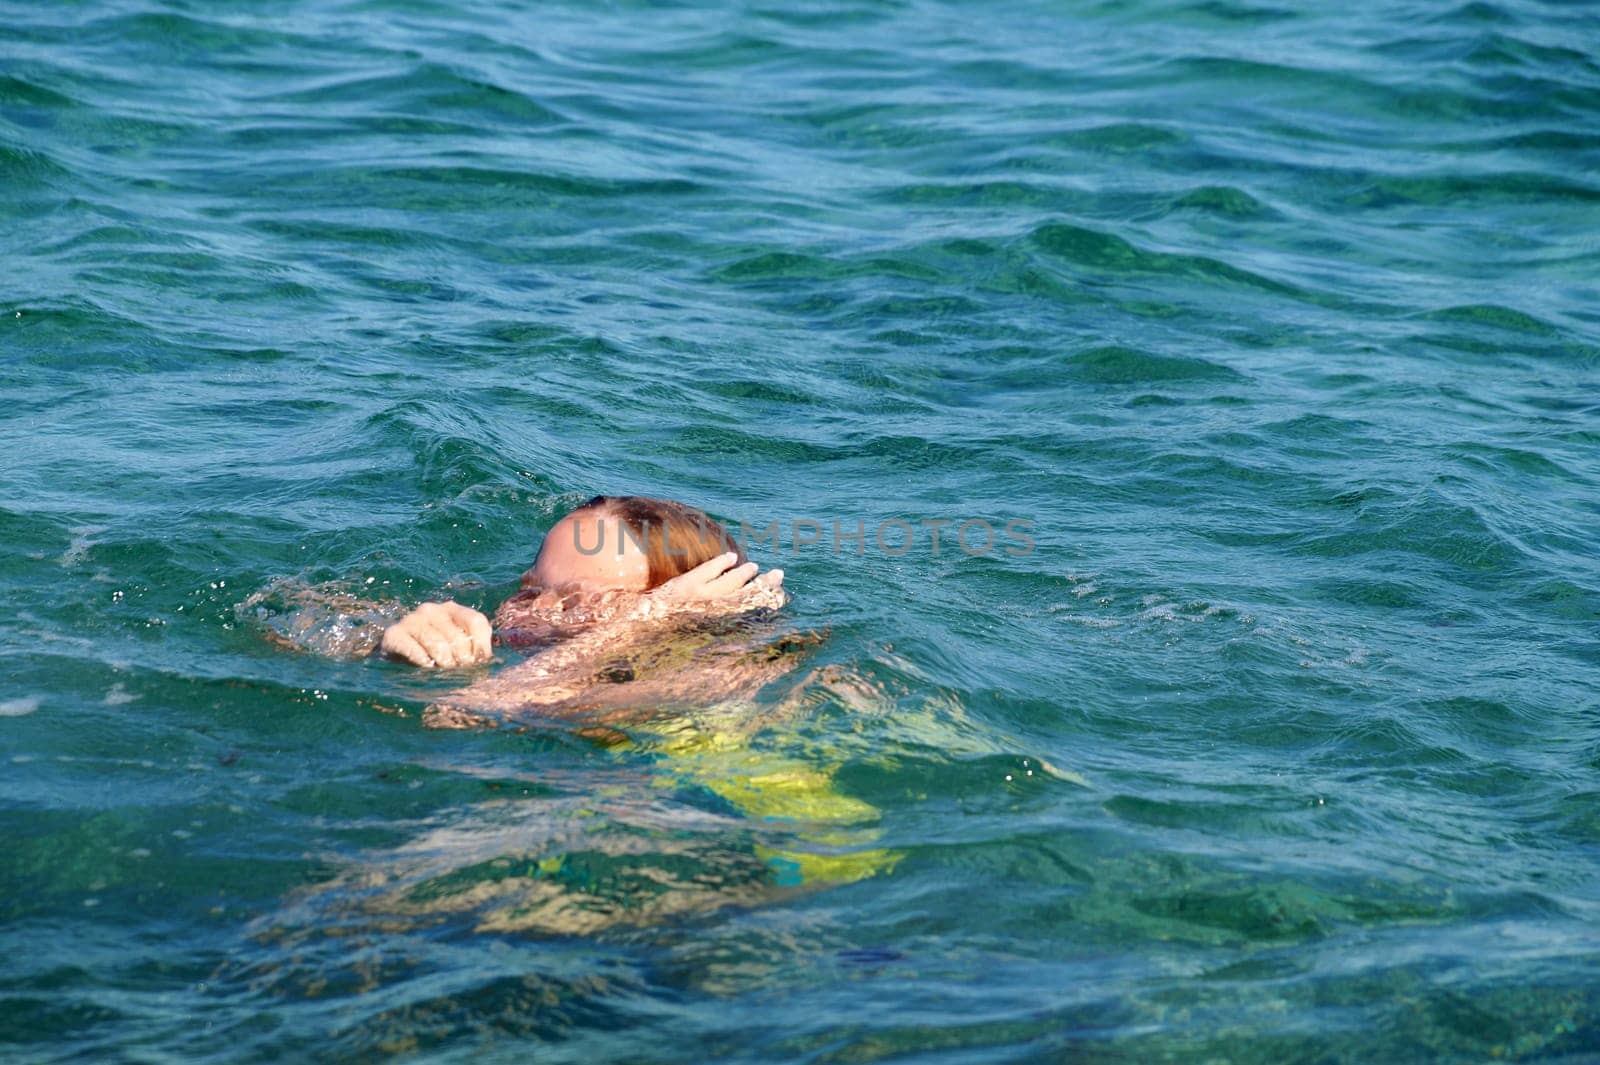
x=1274 y=327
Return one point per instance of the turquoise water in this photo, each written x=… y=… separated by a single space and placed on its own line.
x=1280 y=323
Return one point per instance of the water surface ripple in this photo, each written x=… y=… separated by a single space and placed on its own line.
x=1278 y=321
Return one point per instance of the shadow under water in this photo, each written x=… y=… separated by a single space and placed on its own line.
x=678 y=810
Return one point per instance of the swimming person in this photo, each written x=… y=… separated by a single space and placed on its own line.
x=639 y=612
x=642 y=624
x=618 y=576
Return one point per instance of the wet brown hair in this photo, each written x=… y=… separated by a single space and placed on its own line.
x=676 y=537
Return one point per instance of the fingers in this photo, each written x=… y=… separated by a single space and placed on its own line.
x=687 y=587
x=465 y=633
x=731 y=581
x=482 y=637
x=479 y=633
x=709 y=571
x=444 y=635
x=700 y=579
x=720 y=578
x=765 y=591
x=439 y=637
x=398 y=643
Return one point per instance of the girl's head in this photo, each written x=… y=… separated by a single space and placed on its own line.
x=627 y=543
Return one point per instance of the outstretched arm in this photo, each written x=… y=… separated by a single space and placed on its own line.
x=447 y=635
x=602 y=654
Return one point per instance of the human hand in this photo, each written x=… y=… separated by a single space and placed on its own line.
x=440 y=634
x=721 y=581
